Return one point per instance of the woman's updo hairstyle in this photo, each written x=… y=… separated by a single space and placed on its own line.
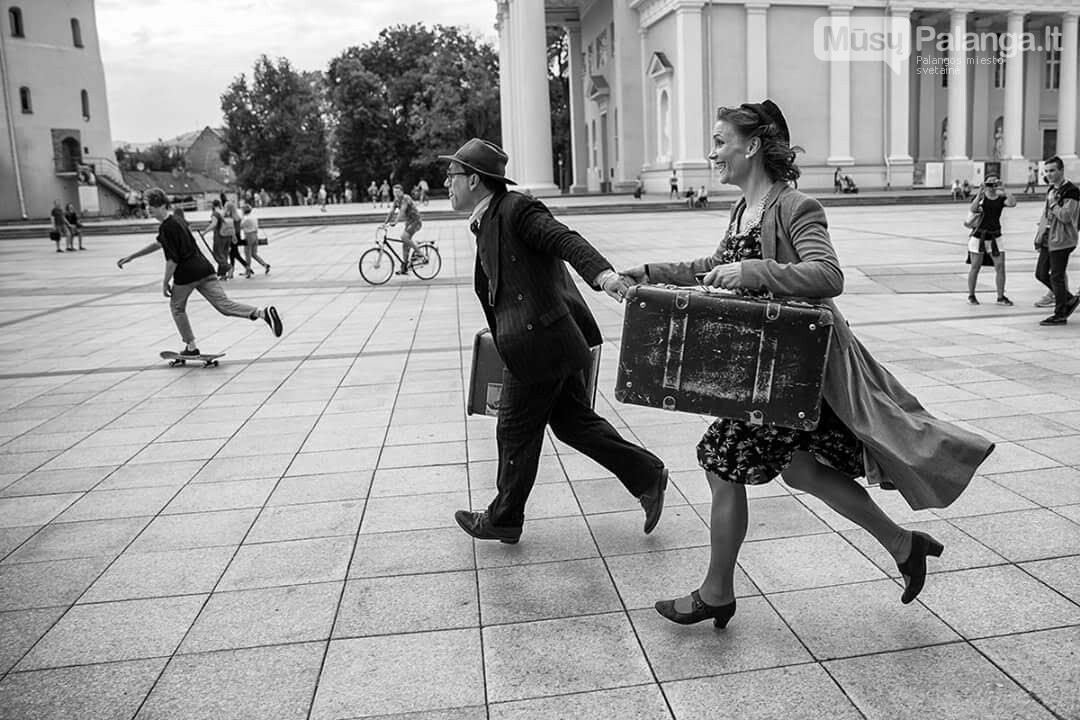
x=766 y=122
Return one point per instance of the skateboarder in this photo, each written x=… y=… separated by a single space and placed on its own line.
x=187 y=270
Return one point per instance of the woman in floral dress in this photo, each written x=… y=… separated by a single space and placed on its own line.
x=777 y=244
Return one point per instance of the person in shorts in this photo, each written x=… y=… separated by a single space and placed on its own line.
x=985 y=237
x=404 y=209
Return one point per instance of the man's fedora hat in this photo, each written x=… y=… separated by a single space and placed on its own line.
x=483 y=158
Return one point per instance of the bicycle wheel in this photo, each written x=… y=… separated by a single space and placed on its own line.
x=376 y=266
x=426 y=261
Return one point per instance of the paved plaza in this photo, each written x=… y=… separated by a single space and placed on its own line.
x=274 y=538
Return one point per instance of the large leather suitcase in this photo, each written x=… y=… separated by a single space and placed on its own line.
x=711 y=353
x=485 y=380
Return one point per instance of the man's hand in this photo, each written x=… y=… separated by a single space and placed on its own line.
x=166 y=289
x=728 y=276
x=635 y=275
x=614 y=284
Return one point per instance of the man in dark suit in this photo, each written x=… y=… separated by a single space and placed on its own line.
x=543 y=331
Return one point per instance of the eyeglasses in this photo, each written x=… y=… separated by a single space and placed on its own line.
x=450 y=175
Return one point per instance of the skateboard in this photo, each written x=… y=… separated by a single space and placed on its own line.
x=176 y=358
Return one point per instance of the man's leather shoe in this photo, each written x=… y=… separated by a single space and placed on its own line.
x=653 y=501
x=1070 y=307
x=479 y=526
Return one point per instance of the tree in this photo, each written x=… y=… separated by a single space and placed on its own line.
x=407 y=97
x=275 y=130
x=158 y=156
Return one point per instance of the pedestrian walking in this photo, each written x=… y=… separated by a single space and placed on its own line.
x=543 y=331
x=983 y=242
x=322 y=200
x=1032 y=179
x=249 y=227
x=1056 y=238
x=673 y=186
x=187 y=271
x=384 y=192
x=373 y=193
x=777 y=244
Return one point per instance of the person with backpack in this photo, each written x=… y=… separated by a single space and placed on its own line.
x=187 y=270
x=1056 y=238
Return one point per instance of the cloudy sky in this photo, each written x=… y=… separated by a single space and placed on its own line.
x=167 y=62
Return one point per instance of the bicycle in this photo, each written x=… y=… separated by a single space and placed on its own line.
x=377 y=264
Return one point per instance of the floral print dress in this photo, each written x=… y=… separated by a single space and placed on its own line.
x=739 y=452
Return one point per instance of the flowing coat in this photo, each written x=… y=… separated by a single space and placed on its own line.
x=930 y=461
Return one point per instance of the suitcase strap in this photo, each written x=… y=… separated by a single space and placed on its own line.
x=673 y=360
x=766 y=364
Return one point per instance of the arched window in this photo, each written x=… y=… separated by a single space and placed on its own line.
x=15 y=16
x=25 y=101
x=76 y=33
x=85 y=97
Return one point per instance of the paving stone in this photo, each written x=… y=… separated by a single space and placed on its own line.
x=804 y=562
x=299 y=489
x=407 y=603
x=395 y=674
x=126 y=630
x=1051 y=487
x=1043 y=662
x=961 y=550
x=389 y=482
x=578 y=654
x=1062 y=574
x=264 y=616
x=545 y=591
x=413 y=512
x=288 y=563
x=247 y=684
x=11 y=538
x=19 y=630
x=296 y=522
x=168 y=474
x=632 y=703
x=157 y=574
x=33 y=509
x=60 y=541
x=411 y=552
x=108 y=504
x=46 y=482
x=225 y=495
x=244 y=468
x=44 y=584
x=799 y=692
x=545 y=540
x=109 y=691
x=1019 y=603
x=1025 y=535
x=643 y=578
x=756 y=637
x=621 y=532
x=177 y=532
x=952 y=682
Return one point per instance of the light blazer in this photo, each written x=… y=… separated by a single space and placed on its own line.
x=928 y=460
x=540 y=323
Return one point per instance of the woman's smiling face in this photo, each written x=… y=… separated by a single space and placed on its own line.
x=728 y=153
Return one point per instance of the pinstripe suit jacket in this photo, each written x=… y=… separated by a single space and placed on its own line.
x=541 y=325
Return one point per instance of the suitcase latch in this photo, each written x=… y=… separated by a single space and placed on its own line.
x=682 y=300
x=756 y=417
x=669 y=402
x=772 y=311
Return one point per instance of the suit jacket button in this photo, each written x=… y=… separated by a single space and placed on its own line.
x=520 y=296
x=513 y=258
x=529 y=326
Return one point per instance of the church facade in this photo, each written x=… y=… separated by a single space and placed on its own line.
x=648 y=75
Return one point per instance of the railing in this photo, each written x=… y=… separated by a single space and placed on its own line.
x=107 y=167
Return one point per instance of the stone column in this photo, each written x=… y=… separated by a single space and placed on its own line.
x=506 y=84
x=690 y=149
x=901 y=164
x=648 y=119
x=532 y=122
x=1013 y=164
x=957 y=162
x=578 y=132
x=1066 y=131
x=839 y=99
x=757 y=38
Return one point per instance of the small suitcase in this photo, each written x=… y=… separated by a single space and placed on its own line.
x=710 y=353
x=485 y=380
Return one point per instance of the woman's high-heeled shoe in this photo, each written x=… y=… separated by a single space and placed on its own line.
x=701 y=611
x=914 y=568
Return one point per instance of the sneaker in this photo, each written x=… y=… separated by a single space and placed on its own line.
x=1046 y=300
x=1070 y=307
x=1004 y=301
x=270 y=315
x=972 y=300
x=1054 y=320
x=190 y=353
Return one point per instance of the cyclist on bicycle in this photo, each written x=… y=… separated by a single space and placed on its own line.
x=403 y=207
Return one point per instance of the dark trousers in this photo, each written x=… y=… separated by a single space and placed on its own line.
x=524 y=411
x=1050 y=271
